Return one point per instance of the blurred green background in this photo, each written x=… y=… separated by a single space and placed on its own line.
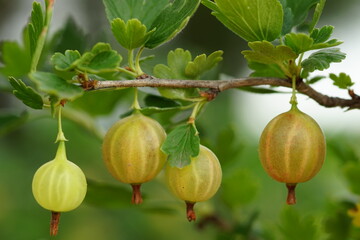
x=249 y=205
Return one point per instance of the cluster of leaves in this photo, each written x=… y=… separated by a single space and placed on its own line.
x=262 y=21
x=275 y=51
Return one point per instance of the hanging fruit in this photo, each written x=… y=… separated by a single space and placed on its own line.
x=196 y=182
x=292 y=148
x=59 y=185
x=131 y=151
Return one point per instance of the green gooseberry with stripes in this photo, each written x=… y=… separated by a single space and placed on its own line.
x=197 y=182
x=59 y=185
x=131 y=151
x=292 y=149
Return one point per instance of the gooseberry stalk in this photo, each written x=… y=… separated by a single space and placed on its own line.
x=59 y=185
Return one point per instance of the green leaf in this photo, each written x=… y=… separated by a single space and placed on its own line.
x=265 y=70
x=157 y=104
x=181 y=145
x=26 y=94
x=132 y=34
x=65 y=62
x=181 y=66
x=153 y=110
x=266 y=53
x=171 y=21
x=321 y=60
x=305 y=226
x=35 y=26
x=161 y=102
x=342 y=80
x=299 y=42
x=317 y=14
x=177 y=61
x=314 y=79
x=252 y=20
x=56 y=86
x=352 y=175
x=10 y=122
x=296 y=12
x=16 y=59
x=100 y=59
x=201 y=64
x=321 y=35
x=144 y=10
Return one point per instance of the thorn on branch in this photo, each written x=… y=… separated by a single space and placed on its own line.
x=143 y=76
x=63 y=102
x=210 y=94
x=353 y=95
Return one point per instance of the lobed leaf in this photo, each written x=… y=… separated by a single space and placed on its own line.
x=202 y=63
x=144 y=10
x=171 y=20
x=266 y=53
x=321 y=35
x=181 y=145
x=100 y=59
x=56 y=86
x=132 y=34
x=177 y=61
x=343 y=80
x=67 y=61
x=181 y=66
x=26 y=94
x=252 y=20
x=321 y=60
x=299 y=42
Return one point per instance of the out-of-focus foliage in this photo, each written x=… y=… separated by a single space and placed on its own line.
x=249 y=204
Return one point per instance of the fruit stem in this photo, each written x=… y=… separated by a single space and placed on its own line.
x=60 y=135
x=137 y=62
x=136 y=105
x=54 y=223
x=293 y=100
x=190 y=212
x=136 y=196
x=131 y=59
x=291 y=198
x=195 y=111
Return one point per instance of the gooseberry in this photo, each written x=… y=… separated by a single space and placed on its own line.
x=131 y=151
x=196 y=182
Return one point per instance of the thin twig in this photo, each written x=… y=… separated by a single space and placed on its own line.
x=222 y=85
